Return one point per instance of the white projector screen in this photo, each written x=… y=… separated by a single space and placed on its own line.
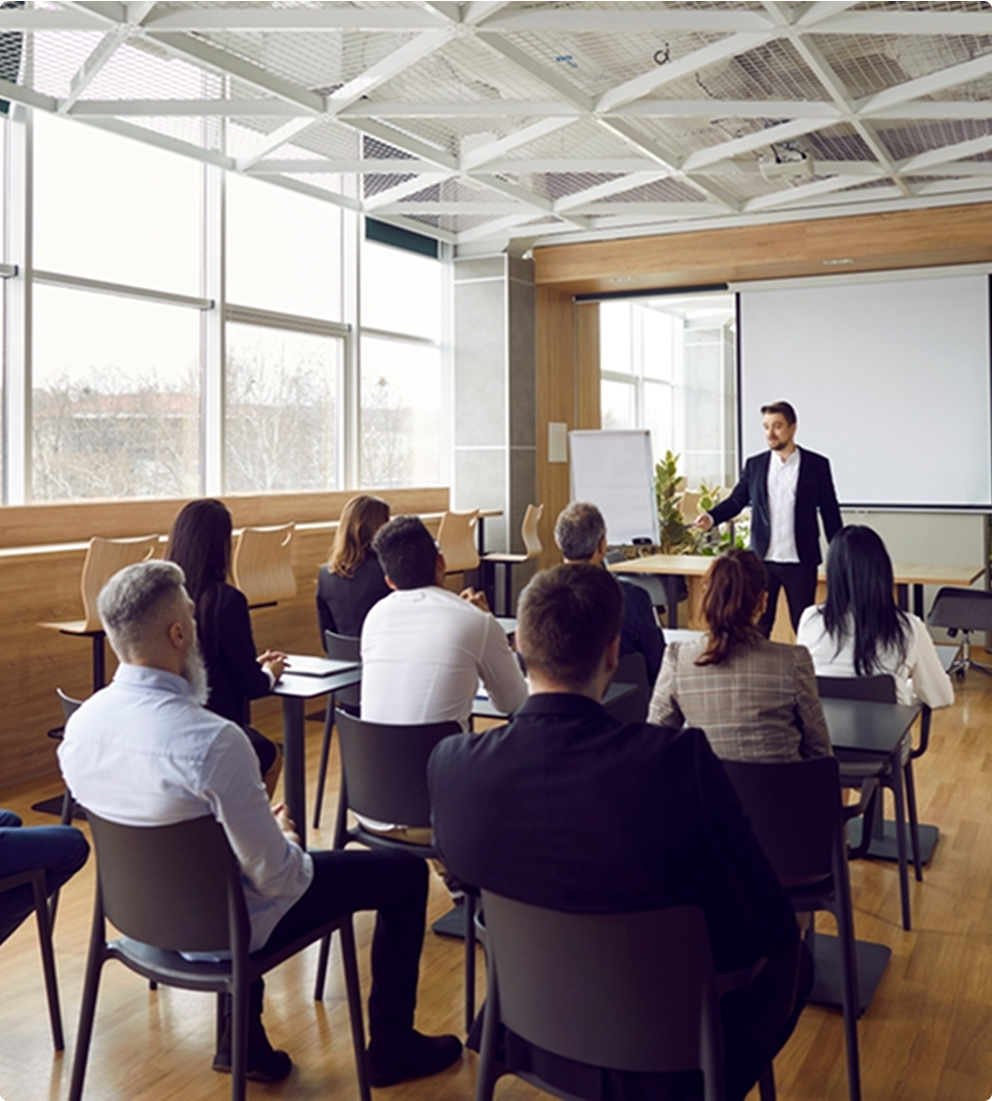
x=890 y=380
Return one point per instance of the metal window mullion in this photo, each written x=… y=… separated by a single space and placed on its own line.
x=18 y=293
x=122 y=290
x=213 y=336
x=350 y=380
x=272 y=319
x=447 y=379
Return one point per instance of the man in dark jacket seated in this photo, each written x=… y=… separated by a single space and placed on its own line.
x=568 y=809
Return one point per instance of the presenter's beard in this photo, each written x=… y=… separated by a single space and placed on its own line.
x=195 y=673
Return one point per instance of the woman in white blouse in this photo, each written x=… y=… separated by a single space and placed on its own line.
x=860 y=632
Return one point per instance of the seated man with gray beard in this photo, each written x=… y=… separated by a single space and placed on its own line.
x=145 y=752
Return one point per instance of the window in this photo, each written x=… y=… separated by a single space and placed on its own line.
x=667 y=364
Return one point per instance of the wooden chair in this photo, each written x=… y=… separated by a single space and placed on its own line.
x=456 y=541
x=532 y=543
x=261 y=565
x=104 y=558
x=169 y=889
x=642 y=995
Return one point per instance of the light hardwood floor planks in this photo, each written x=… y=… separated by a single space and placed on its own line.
x=925 y=1037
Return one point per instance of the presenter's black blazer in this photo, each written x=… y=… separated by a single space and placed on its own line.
x=814 y=491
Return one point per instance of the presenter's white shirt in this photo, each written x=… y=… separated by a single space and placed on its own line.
x=783 y=480
x=423 y=653
x=919 y=675
x=141 y=752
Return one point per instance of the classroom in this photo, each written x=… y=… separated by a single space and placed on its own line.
x=281 y=253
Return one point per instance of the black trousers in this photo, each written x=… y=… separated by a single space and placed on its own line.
x=799 y=582
x=393 y=884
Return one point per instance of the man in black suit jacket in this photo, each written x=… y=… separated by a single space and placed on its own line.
x=580 y=533
x=784 y=487
x=568 y=809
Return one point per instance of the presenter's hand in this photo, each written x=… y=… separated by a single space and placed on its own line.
x=704 y=522
x=473 y=596
x=286 y=824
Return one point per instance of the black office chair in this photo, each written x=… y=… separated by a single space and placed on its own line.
x=384 y=778
x=797 y=815
x=632 y=669
x=963 y=610
x=178 y=888
x=341 y=648
x=856 y=766
x=45 y=919
x=628 y=992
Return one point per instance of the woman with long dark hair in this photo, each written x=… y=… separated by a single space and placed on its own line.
x=352 y=580
x=860 y=632
x=200 y=543
x=755 y=699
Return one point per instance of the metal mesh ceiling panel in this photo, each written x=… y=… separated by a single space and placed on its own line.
x=660 y=191
x=909 y=140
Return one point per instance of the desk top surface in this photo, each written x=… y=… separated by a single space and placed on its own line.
x=866 y=726
x=339 y=674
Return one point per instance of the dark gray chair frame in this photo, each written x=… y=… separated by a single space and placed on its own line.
x=632 y=669
x=856 y=766
x=178 y=887
x=964 y=610
x=45 y=918
x=384 y=778
x=342 y=648
x=799 y=819
x=642 y=995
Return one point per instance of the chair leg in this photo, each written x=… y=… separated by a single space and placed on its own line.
x=325 y=952
x=487 y=1072
x=914 y=824
x=44 y=918
x=87 y=1010
x=239 y=1040
x=844 y=915
x=896 y=782
x=325 y=749
x=469 y=961
x=354 y=1006
x=766 y=1084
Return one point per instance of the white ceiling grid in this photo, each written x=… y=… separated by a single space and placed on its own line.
x=485 y=120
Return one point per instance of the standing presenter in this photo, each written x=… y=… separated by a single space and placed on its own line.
x=784 y=487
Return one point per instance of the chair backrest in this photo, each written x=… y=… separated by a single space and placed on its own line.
x=964 y=609
x=632 y=669
x=880 y=688
x=69 y=703
x=456 y=541
x=176 y=887
x=528 y=530
x=631 y=992
x=345 y=648
x=261 y=564
x=104 y=558
x=384 y=767
x=795 y=812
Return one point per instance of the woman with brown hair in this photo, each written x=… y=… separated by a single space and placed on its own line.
x=200 y=544
x=755 y=699
x=352 y=580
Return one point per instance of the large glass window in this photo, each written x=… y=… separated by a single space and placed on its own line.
x=280 y=425
x=667 y=364
x=115 y=396
x=283 y=250
x=114 y=209
x=401 y=291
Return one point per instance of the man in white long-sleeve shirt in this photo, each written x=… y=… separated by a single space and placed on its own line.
x=144 y=752
x=424 y=648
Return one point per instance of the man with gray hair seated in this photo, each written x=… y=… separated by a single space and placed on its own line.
x=580 y=532
x=145 y=752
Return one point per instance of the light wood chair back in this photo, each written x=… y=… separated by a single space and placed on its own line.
x=528 y=530
x=261 y=564
x=104 y=558
x=456 y=540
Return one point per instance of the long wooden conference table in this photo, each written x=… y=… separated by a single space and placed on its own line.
x=672 y=569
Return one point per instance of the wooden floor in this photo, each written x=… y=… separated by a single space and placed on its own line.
x=926 y=1037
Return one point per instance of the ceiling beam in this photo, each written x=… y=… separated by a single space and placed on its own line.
x=607 y=188
x=656 y=209
x=550 y=78
x=930 y=84
x=160 y=108
x=820 y=10
x=476 y=12
x=332 y=166
x=453 y=207
x=496 y=228
x=268 y=143
x=947 y=153
x=201 y=18
x=527 y=165
x=801 y=192
x=476 y=158
x=92 y=66
x=416 y=147
x=497 y=108
x=390 y=66
x=49 y=19
x=730 y=46
x=923 y=110
x=728 y=108
x=406 y=187
x=784 y=131
x=948 y=187
x=613 y=19
x=906 y=22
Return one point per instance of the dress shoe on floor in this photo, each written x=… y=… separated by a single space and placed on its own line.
x=264 y=1063
x=416 y=1056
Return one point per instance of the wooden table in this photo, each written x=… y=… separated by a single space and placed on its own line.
x=691 y=567
x=295 y=690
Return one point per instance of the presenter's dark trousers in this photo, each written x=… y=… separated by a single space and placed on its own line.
x=799 y=582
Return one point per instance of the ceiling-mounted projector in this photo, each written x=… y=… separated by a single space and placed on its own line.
x=784 y=162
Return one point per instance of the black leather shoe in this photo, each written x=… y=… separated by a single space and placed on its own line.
x=264 y=1063
x=417 y=1056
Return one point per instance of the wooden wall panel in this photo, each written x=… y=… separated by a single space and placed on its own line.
x=556 y=401
x=39 y=584
x=872 y=242
x=588 y=412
